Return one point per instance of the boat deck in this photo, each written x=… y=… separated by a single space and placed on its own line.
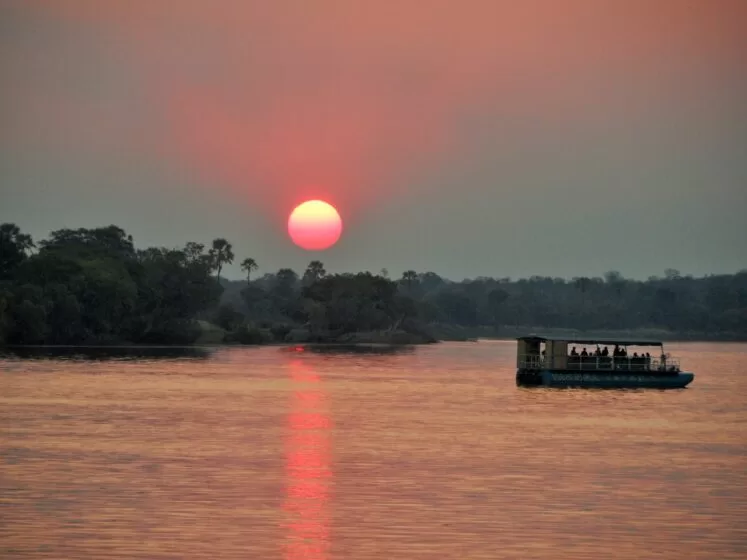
x=602 y=363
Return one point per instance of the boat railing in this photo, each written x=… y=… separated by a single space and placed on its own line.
x=603 y=363
x=531 y=361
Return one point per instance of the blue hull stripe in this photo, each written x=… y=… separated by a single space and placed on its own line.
x=616 y=380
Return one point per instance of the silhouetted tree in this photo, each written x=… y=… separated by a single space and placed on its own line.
x=352 y=302
x=92 y=286
x=194 y=252
x=249 y=265
x=108 y=242
x=314 y=272
x=221 y=254
x=409 y=278
x=14 y=248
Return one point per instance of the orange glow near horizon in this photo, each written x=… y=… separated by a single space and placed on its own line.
x=314 y=225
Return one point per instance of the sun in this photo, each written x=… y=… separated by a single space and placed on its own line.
x=314 y=225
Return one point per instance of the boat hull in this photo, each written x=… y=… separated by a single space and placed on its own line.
x=603 y=380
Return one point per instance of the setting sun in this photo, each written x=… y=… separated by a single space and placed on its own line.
x=314 y=225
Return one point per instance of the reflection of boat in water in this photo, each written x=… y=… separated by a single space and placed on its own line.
x=542 y=361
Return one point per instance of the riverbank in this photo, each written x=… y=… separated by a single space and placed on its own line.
x=259 y=336
x=212 y=335
x=458 y=333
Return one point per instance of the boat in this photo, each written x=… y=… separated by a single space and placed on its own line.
x=547 y=362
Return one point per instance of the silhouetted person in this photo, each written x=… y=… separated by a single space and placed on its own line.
x=584 y=353
x=573 y=352
x=606 y=352
x=597 y=352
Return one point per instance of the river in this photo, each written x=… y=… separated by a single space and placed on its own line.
x=427 y=452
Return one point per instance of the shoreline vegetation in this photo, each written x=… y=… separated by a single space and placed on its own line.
x=92 y=287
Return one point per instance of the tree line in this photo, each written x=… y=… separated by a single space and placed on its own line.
x=93 y=286
x=672 y=305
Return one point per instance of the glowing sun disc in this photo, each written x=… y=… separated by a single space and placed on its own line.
x=314 y=225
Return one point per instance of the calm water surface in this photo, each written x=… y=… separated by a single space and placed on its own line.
x=426 y=453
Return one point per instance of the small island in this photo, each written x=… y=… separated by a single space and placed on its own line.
x=94 y=287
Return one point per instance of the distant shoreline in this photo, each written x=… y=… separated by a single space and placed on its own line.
x=215 y=337
x=341 y=343
x=450 y=332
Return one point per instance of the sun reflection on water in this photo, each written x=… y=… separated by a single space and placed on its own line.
x=307 y=467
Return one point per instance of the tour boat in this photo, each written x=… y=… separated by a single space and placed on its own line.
x=547 y=362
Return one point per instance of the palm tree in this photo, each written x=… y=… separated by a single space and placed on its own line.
x=221 y=253
x=408 y=277
x=582 y=284
x=249 y=265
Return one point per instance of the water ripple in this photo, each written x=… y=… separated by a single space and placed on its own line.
x=428 y=453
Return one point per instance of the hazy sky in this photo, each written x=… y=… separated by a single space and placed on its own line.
x=557 y=137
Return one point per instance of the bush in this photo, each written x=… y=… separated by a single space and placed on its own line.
x=29 y=323
x=226 y=317
x=244 y=335
x=280 y=332
x=176 y=331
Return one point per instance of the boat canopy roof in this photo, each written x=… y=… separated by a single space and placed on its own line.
x=602 y=341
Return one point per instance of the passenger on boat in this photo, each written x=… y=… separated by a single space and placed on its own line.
x=597 y=352
x=605 y=362
x=584 y=353
x=637 y=362
x=573 y=351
